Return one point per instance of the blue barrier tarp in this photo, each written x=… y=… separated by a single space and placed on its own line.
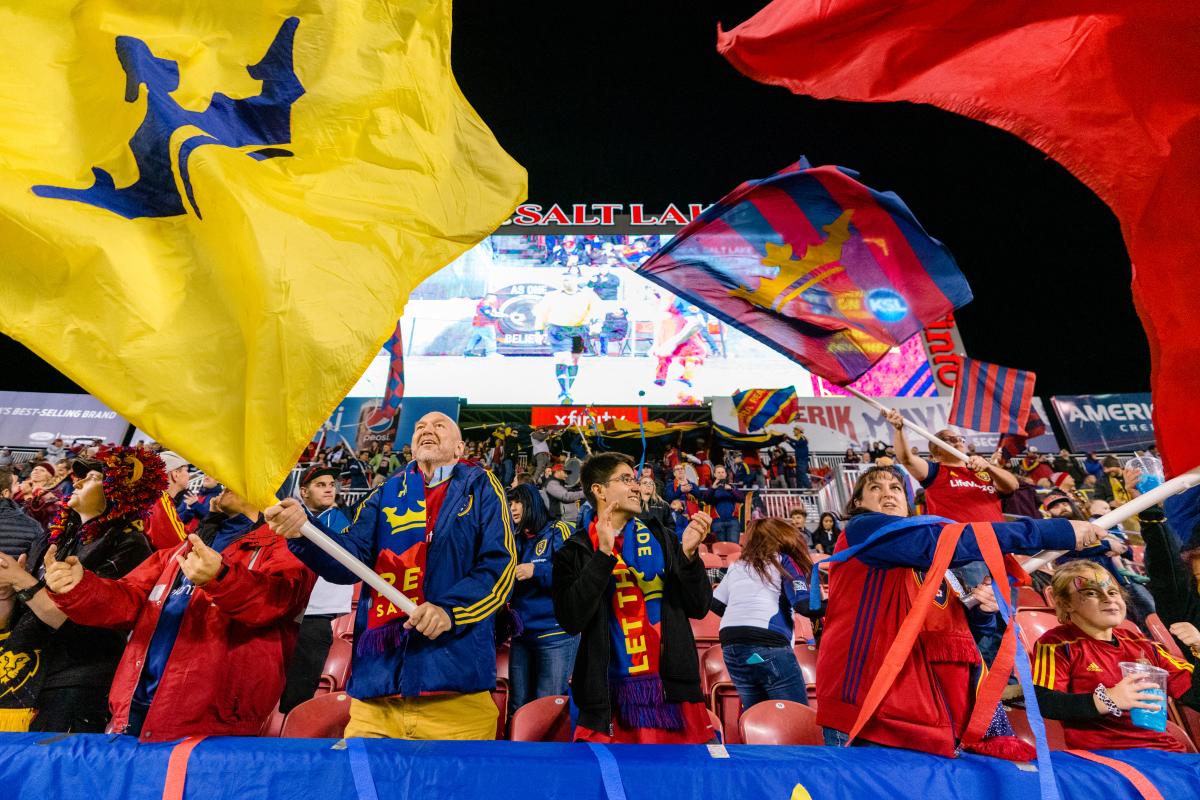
x=93 y=767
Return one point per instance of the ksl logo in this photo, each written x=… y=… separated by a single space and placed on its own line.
x=886 y=305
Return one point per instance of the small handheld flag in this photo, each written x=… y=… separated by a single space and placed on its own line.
x=811 y=262
x=758 y=408
x=990 y=398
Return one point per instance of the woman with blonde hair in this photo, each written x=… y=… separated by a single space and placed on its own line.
x=756 y=600
x=1077 y=666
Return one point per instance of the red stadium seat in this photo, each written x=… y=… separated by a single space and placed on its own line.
x=1137 y=554
x=706 y=631
x=1033 y=624
x=1190 y=719
x=343 y=627
x=712 y=561
x=1181 y=735
x=806 y=654
x=780 y=722
x=500 y=693
x=500 y=698
x=804 y=628
x=730 y=550
x=727 y=707
x=716 y=723
x=1161 y=634
x=712 y=669
x=546 y=719
x=502 y=664
x=324 y=717
x=273 y=724
x=336 y=671
x=722 y=696
x=1028 y=597
x=1020 y=723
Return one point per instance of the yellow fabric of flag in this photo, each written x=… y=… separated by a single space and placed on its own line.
x=212 y=212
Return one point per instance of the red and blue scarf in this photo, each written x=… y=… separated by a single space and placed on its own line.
x=635 y=598
x=403 y=546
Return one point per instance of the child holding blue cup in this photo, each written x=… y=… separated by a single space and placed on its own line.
x=1102 y=678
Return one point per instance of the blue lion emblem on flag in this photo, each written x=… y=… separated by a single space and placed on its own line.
x=264 y=120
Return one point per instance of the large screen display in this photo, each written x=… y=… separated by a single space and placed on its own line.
x=543 y=320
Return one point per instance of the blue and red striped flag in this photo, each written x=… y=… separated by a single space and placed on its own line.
x=809 y=261
x=380 y=419
x=758 y=408
x=1013 y=444
x=394 y=392
x=991 y=399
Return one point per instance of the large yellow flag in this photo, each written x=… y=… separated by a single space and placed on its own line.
x=212 y=212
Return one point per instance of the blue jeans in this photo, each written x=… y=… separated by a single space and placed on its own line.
x=774 y=675
x=727 y=530
x=485 y=336
x=835 y=738
x=539 y=668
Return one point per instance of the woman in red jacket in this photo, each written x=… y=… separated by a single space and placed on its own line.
x=872 y=589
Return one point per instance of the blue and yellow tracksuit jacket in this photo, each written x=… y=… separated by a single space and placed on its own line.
x=469 y=573
x=531 y=600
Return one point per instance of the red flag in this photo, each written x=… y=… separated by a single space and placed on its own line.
x=1110 y=89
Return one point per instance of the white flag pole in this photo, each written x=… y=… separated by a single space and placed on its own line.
x=954 y=451
x=369 y=576
x=1123 y=512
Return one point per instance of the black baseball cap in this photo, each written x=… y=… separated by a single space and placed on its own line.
x=82 y=466
x=316 y=471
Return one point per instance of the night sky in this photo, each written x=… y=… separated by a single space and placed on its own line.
x=628 y=102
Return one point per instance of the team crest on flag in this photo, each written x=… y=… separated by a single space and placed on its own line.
x=261 y=122
x=758 y=408
x=991 y=399
x=813 y=263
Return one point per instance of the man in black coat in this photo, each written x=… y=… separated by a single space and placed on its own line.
x=629 y=586
x=17 y=529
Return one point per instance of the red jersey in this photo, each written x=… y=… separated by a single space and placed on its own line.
x=960 y=494
x=163 y=527
x=1068 y=660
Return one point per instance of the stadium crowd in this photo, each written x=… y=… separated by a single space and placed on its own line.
x=141 y=598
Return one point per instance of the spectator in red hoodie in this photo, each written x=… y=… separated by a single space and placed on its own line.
x=223 y=605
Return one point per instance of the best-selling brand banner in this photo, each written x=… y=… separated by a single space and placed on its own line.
x=833 y=424
x=1106 y=421
x=35 y=419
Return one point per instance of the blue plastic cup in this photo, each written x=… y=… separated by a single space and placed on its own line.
x=1144 y=717
x=1152 y=472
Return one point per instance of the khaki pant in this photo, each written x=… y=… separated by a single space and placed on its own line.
x=441 y=716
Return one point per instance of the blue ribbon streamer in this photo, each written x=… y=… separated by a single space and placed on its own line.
x=610 y=773
x=1046 y=781
x=642 y=428
x=902 y=523
x=360 y=770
